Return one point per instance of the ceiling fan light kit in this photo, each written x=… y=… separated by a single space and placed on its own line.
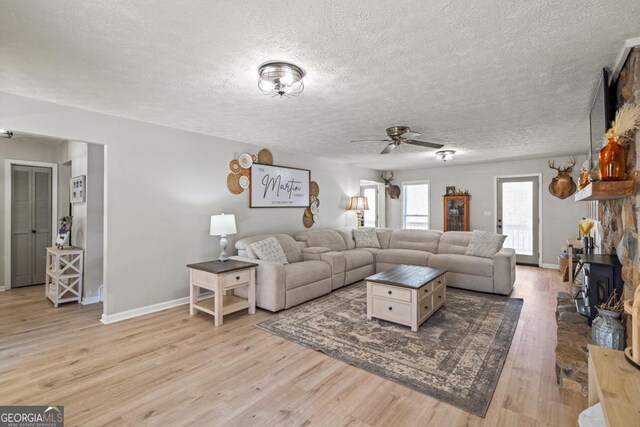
x=280 y=78
x=445 y=155
x=398 y=135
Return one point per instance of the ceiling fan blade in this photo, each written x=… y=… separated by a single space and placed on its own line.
x=371 y=140
x=389 y=148
x=424 y=143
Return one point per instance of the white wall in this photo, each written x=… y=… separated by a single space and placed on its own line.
x=20 y=150
x=559 y=217
x=161 y=187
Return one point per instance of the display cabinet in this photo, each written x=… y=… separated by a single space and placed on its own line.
x=456 y=212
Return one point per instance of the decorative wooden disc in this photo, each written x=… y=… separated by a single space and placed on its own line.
x=307 y=212
x=245 y=172
x=265 y=157
x=233 y=183
x=307 y=221
x=234 y=166
x=314 y=189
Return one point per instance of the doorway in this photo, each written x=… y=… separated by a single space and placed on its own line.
x=518 y=216
x=31 y=223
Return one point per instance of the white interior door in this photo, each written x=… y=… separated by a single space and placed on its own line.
x=518 y=216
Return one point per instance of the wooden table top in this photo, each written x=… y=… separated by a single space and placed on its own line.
x=618 y=385
x=407 y=276
x=217 y=267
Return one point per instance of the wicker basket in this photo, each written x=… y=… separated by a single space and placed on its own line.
x=563 y=267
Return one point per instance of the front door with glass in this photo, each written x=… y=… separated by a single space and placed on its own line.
x=518 y=216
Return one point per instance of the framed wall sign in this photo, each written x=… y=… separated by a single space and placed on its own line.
x=279 y=187
x=78 y=192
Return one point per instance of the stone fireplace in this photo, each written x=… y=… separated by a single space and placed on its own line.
x=617 y=221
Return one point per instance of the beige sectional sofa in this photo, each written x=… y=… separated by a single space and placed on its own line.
x=324 y=260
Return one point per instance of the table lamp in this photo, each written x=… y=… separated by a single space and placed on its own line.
x=359 y=204
x=222 y=225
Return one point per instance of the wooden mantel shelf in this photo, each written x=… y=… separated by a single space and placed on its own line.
x=606 y=190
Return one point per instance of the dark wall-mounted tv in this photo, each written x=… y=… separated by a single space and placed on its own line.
x=600 y=116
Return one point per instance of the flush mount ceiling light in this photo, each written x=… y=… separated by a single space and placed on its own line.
x=280 y=78
x=445 y=155
x=5 y=133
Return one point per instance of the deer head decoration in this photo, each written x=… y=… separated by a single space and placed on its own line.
x=562 y=185
x=392 y=190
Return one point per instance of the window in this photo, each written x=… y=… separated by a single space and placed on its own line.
x=371 y=215
x=415 y=205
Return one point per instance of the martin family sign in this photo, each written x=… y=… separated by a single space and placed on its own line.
x=279 y=187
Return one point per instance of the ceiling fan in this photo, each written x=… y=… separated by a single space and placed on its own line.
x=401 y=135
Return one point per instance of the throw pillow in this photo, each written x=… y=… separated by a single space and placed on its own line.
x=269 y=249
x=366 y=238
x=485 y=244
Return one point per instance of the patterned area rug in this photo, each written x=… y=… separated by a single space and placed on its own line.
x=456 y=356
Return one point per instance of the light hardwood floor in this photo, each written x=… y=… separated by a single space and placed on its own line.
x=172 y=369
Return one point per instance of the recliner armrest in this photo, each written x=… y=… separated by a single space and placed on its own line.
x=270 y=283
x=313 y=253
x=504 y=271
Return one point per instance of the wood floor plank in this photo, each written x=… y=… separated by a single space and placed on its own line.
x=169 y=368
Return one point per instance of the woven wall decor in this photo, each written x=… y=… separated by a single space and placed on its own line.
x=237 y=182
x=233 y=183
x=265 y=157
x=310 y=215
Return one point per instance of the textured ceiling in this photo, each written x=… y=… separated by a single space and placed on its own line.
x=493 y=80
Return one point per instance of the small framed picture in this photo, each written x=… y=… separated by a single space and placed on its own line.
x=78 y=189
x=451 y=190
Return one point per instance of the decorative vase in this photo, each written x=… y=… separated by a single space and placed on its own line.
x=584 y=179
x=613 y=161
x=608 y=330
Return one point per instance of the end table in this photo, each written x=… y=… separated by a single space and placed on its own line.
x=221 y=277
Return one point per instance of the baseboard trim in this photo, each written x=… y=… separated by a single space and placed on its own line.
x=136 y=312
x=2 y=288
x=91 y=300
x=550 y=266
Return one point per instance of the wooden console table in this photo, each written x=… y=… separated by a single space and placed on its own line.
x=616 y=385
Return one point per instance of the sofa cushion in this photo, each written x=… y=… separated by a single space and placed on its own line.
x=485 y=244
x=326 y=238
x=356 y=258
x=289 y=246
x=269 y=249
x=347 y=235
x=403 y=256
x=454 y=242
x=303 y=273
x=372 y=251
x=366 y=238
x=465 y=264
x=419 y=240
x=384 y=236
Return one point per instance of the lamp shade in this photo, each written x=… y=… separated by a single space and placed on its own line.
x=358 y=203
x=223 y=225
